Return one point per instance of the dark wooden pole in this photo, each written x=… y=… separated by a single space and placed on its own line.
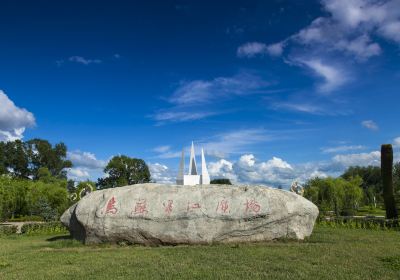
x=387 y=181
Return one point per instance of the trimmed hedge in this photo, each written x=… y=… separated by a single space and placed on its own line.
x=26 y=219
x=360 y=223
x=43 y=228
x=8 y=230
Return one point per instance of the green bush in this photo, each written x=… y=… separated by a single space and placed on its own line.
x=43 y=228
x=32 y=218
x=22 y=197
x=335 y=194
x=354 y=223
x=8 y=230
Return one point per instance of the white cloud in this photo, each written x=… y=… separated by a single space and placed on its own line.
x=85 y=159
x=276 y=171
x=222 y=169
x=350 y=24
x=275 y=49
x=247 y=170
x=179 y=116
x=166 y=152
x=370 y=124
x=13 y=120
x=162 y=149
x=78 y=174
x=332 y=77
x=238 y=141
x=361 y=47
x=347 y=33
x=202 y=91
x=84 y=61
x=224 y=144
x=342 y=148
x=161 y=174
x=396 y=142
x=252 y=49
x=362 y=159
x=300 y=107
x=190 y=97
x=391 y=30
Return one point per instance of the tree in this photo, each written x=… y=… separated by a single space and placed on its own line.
x=122 y=171
x=335 y=194
x=17 y=159
x=387 y=181
x=43 y=154
x=20 y=197
x=396 y=177
x=371 y=181
x=221 y=181
x=3 y=167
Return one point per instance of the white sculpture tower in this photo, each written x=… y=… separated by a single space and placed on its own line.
x=205 y=177
x=193 y=178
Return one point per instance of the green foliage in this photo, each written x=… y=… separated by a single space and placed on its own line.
x=359 y=223
x=387 y=181
x=32 y=218
x=21 y=197
x=371 y=181
x=8 y=230
x=221 y=181
x=31 y=159
x=43 y=209
x=43 y=154
x=82 y=189
x=122 y=171
x=16 y=159
x=43 y=228
x=335 y=194
x=396 y=178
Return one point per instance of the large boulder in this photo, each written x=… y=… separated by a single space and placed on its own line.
x=154 y=214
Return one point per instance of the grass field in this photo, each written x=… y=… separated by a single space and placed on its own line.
x=328 y=254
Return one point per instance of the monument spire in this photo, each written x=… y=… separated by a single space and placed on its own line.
x=205 y=177
x=192 y=162
x=179 y=178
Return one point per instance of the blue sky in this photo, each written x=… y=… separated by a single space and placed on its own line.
x=273 y=90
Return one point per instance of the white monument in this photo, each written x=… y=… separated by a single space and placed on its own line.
x=193 y=178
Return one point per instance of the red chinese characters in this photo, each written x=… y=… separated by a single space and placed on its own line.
x=193 y=206
x=140 y=207
x=252 y=206
x=168 y=206
x=110 y=208
x=223 y=206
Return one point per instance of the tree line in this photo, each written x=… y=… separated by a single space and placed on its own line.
x=33 y=179
x=358 y=186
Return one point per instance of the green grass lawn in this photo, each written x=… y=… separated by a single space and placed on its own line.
x=328 y=254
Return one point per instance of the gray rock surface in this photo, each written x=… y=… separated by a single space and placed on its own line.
x=154 y=214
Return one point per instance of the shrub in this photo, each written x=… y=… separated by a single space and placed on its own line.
x=354 y=223
x=32 y=218
x=43 y=228
x=20 y=197
x=8 y=230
